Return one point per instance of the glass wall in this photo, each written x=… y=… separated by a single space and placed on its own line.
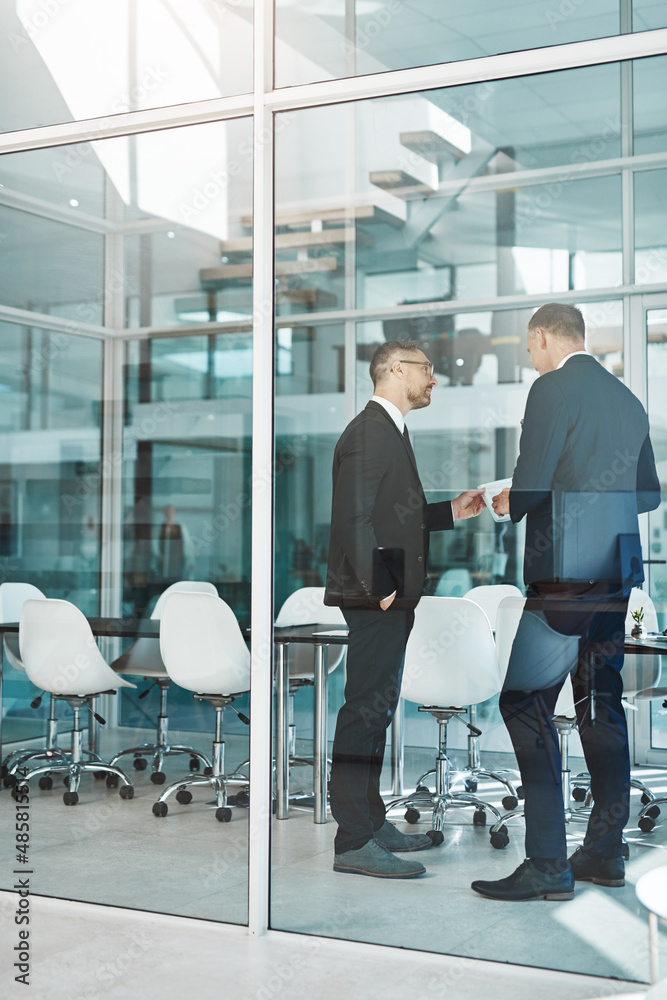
x=399 y=217
x=318 y=41
x=108 y=236
x=68 y=60
x=132 y=322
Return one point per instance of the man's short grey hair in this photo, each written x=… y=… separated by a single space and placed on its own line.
x=560 y=320
x=385 y=356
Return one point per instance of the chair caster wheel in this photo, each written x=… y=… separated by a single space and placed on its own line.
x=411 y=816
x=510 y=803
x=195 y=763
x=71 y=798
x=242 y=798
x=579 y=794
x=184 y=796
x=223 y=814
x=625 y=851
x=45 y=782
x=424 y=789
x=3 y=772
x=158 y=777
x=646 y=798
x=479 y=817
x=139 y=763
x=160 y=809
x=99 y=775
x=436 y=837
x=519 y=791
x=112 y=781
x=500 y=838
x=646 y=824
x=653 y=812
x=9 y=781
x=208 y=771
x=126 y=792
x=471 y=785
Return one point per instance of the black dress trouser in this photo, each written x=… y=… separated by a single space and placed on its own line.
x=377 y=641
x=529 y=720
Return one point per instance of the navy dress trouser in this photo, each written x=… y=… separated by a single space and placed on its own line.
x=377 y=641
x=529 y=720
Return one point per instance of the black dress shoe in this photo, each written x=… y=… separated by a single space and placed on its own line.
x=528 y=882
x=586 y=866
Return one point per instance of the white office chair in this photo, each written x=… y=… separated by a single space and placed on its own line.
x=12 y=598
x=641 y=680
x=143 y=659
x=204 y=651
x=554 y=647
x=306 y=607
x=60 y=655
x=651 y=891
x=450 y=662
x=453 y=583
x=489 y=598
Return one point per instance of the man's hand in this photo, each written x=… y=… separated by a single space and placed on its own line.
x=468 y=504
x=501 y=503
x=387 y=601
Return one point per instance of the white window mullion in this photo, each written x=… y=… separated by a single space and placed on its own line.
x=261 y=699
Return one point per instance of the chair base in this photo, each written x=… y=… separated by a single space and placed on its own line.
x=445 y=795
x=71 y=765
x=162 y=747
x=217 y=779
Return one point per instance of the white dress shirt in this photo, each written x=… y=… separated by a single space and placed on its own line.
x=392 y=410
x=568 y=356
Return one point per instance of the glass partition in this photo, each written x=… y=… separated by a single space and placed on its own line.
x=49 y=483
x=68 y=60
x=317 y=41
x=165 y=457
x=385 y=235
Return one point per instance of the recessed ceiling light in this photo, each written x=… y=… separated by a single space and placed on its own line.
x=74 y=203
x=171 y=234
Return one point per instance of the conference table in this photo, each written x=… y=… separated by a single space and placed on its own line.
x=318 y=636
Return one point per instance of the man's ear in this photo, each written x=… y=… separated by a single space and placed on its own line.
x=541 y=336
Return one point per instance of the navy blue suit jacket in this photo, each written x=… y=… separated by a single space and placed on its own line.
x=584 y=433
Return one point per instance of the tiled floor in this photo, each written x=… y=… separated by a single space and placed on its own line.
x=101 y=953
x=107 y=850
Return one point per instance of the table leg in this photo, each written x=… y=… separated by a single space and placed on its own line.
x=282 y=741
x=93 y=728
x=397 y=749
x=320 y=742
x=653 y=946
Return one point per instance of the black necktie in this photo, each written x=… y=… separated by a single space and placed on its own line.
x=408 y=444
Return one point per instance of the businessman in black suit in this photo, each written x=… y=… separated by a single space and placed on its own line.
x=380 y=526
x=585 y=470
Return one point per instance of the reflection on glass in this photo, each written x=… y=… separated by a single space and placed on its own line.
x=76 y=60
x=49 y=485
x=186 y=517
x=192 y=262
x=650 y=217
x=317 y=41
x=430 y=212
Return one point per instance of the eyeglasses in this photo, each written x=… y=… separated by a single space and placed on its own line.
x=425 y=364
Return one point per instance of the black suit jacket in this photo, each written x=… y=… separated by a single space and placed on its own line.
x=584 y=472
x=380 y=519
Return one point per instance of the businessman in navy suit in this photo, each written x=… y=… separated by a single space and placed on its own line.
x=380 y=526
x=585 y=471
